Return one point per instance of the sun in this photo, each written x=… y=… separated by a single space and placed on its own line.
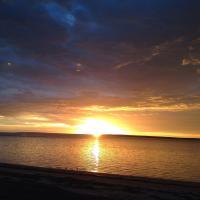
x=98 y=127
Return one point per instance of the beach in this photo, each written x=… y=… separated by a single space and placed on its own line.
x=27 y=182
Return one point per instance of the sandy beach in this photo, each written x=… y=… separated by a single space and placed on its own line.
x=25 y=182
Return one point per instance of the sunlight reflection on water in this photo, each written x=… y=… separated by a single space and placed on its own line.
x=96 y=153
x=171 y=159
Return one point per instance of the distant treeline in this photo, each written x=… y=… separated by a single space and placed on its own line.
x=67 y=135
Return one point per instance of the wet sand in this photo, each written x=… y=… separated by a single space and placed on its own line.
x=23 y=182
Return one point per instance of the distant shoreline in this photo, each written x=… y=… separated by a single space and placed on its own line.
x=27 y=182
x=64 y=135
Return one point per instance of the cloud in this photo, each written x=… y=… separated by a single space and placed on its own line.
x=123 y=64
x=145 y=56
x=191 y=61
x=34 y=106
x=60 y=15
x=120 y=54
x=165 y=114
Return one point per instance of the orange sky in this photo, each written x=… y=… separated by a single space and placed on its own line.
x=63 y=116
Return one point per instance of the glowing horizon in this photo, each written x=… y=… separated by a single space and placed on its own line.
x=98 y=127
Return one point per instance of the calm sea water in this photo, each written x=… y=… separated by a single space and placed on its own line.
x=160 y=158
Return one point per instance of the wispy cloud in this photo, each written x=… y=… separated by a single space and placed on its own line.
x=191 y=61
x=121 y=65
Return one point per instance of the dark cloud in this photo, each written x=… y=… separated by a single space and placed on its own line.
x=149 y=38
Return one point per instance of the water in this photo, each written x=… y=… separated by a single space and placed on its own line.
x=158 y=158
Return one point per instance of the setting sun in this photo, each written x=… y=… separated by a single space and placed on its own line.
x=98 y=127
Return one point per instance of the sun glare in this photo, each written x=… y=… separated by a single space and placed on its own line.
x=98 y=127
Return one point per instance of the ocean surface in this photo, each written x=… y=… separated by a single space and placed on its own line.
x=175 y=159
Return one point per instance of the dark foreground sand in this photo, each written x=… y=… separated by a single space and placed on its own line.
x=22 y=182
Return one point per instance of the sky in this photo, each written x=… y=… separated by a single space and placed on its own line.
x=135 y=64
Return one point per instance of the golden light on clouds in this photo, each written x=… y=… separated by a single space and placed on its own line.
x=34 y=118
x=166 y=121
x=178 y=107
